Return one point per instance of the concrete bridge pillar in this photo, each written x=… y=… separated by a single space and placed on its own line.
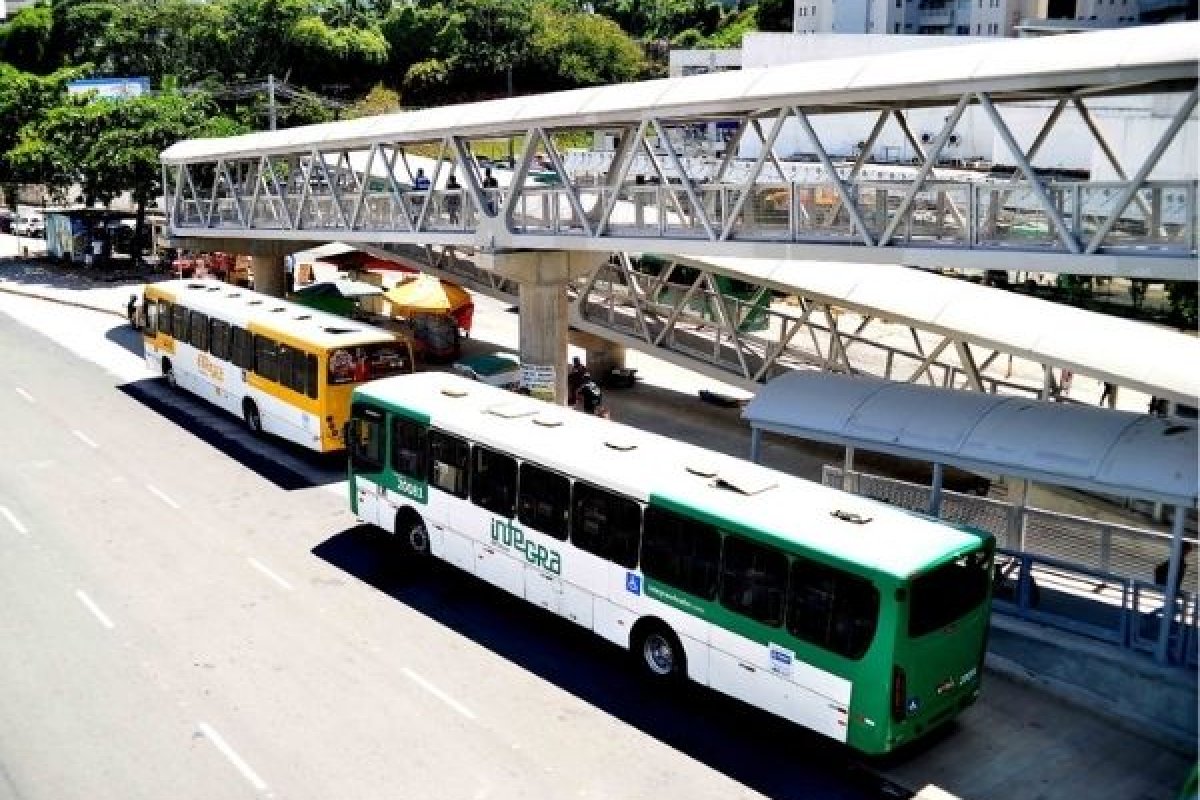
x=542 y=279
x=269 y=274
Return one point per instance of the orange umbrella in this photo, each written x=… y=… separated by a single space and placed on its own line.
x=426 y=295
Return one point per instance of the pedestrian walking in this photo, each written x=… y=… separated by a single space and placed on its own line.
x=490 y=185
x=591 y=399
x=575 y=380
x=420 y=181
x=1109 y=395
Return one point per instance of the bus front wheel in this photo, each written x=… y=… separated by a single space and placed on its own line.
x=659 y=653
x=416 y=538
x=252 y=417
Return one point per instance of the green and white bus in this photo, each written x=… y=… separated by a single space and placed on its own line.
x=847 y=616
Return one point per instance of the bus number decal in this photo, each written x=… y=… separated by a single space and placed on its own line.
x=509 y=535
x=210 y=368
x=411 y=488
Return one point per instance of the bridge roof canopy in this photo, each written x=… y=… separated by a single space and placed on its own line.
x=1092 y=449
x=1105 y=62
x=1136 y=355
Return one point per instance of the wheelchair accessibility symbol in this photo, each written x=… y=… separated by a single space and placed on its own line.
x=633 y=583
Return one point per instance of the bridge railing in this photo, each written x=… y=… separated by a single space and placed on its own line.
x=1160 y=218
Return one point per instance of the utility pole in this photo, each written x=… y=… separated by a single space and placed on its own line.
x=511 y=157
x=271 y=102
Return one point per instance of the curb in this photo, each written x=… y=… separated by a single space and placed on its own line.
x=13 y=290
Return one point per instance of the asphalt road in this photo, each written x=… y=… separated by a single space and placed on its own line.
x=189 y=612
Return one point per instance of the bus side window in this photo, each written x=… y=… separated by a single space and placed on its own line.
x=753 y=580
x=310 y=375
x=448 y=458
x=681 y=552
x=266 y=358
x=198 y=333
x=243 y=348
x=544 y=501
x=367 y=439
x=179 y=322
x=832 y=609
x=291 y=368
x=494 y=481
x=151 y=310
x=409 y=448
x=606 y=524
x=218 y=339
x=164 y=316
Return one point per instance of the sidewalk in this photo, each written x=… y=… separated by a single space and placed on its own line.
x=1027 y=737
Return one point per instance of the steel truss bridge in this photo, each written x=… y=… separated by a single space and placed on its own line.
x=356 y=181
x=727 y=319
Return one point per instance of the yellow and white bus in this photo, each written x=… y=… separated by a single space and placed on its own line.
x=858 y=620
x=285 y=369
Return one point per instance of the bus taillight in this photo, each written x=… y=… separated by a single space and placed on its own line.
x=899 y=693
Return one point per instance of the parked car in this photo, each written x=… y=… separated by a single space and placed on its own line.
x=495 y=369
x=28 y=225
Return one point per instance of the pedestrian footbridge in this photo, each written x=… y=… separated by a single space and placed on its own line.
x=656 y=191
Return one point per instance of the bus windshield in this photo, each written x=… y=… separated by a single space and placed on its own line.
x=369 y=362
x=949 y=592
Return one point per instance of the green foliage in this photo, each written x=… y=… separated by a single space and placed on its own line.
x=1182 y=299
x=24 y=98
x=774 y=15
x=380 y=100
x=569 y=50
x=27 y=40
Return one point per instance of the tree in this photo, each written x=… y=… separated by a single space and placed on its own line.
x=571 y=49
x=774 y=15
x=110 y=146
x=25 y=41
x=24 y=97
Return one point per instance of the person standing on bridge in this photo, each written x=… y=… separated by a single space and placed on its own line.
x=453 y=198
x=490 y=184
x=420 y=181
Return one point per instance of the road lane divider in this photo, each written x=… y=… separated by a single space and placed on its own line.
x=232 y=757
x=161 y=495
x=13 y=521
x=28 y=397
x=83 y=437
x=438 y=693
x=258 y=565
x=91 y=606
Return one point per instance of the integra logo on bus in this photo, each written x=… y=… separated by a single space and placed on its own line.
x=507 y=534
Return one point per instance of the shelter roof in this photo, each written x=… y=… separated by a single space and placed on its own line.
x=1137 y=355
x=1118 y=60
x=1093 y=449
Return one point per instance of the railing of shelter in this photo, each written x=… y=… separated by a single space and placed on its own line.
x=1069 y=572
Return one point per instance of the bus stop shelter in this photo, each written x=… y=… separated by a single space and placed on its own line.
x=1098 y=450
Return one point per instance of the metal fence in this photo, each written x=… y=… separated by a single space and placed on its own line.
x=1072 y=573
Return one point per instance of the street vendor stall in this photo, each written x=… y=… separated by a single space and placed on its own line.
x=439 y=314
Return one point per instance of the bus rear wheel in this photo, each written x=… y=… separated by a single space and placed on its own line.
x=252 y=417
x=169 y=375
x=659 y=653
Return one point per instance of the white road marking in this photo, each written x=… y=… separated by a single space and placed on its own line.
x=439 y=694
x=258 y=565
x=95 y=609
x=12 y=520
x=28 y=397
x=154 y=490
x=207 y=731
x=83 y=437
